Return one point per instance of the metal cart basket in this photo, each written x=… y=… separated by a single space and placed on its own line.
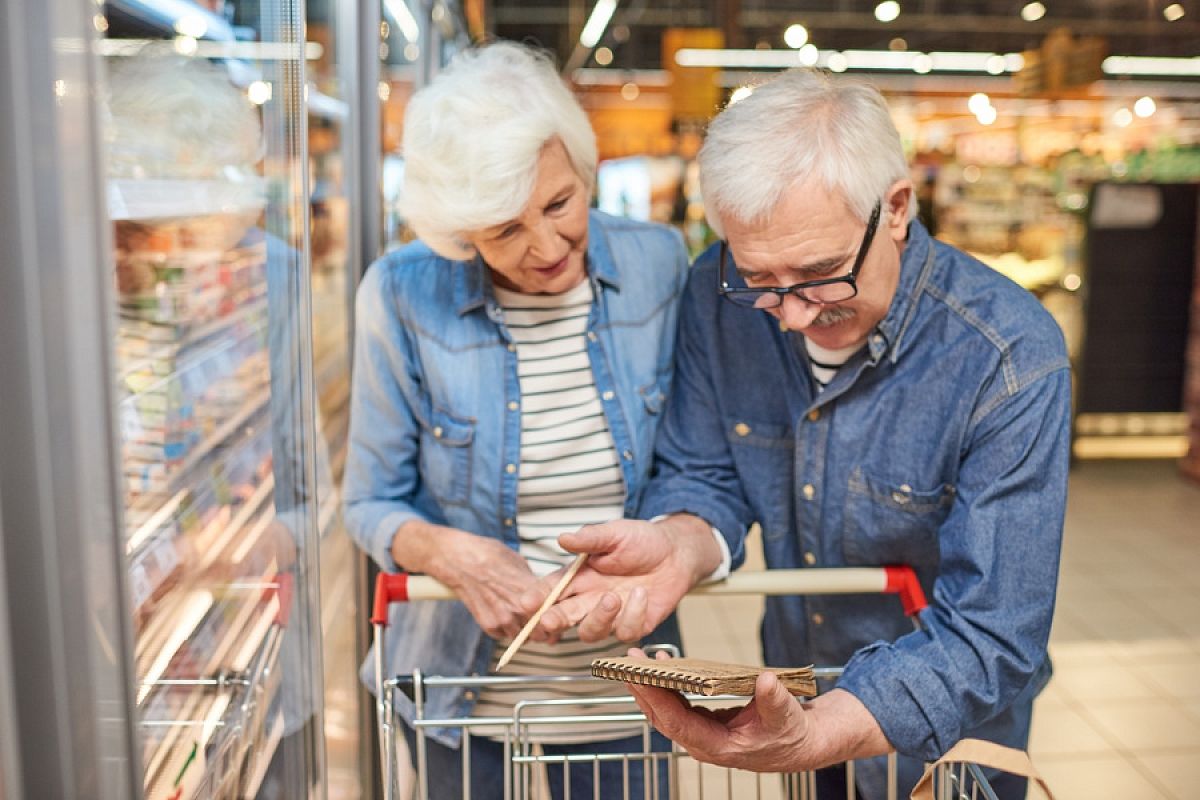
x=526 y=764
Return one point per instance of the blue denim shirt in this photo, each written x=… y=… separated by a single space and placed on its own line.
x=432 y=431
x=943 y=444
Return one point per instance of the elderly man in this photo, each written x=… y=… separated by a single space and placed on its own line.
x=869 y=396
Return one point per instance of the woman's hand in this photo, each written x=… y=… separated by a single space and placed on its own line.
x=485 y=573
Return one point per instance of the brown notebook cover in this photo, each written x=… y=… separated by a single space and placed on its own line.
x=696 y=676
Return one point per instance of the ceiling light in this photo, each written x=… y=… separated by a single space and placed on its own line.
x=898 y=44
x=796 y=36
x=978 y=102
x=837 y=62
x=1174 y=12
x=887 y=11
x=1032 y=12
x=604 y=56
x=995 y=65
x=740 y=93
x=1145 y=106
x=601 y=13
x=411 y=51
x=1123 y=117
x=898 y=61
x=1151 y=65
x=259 y=92
x=986 y=116
x=630 y=91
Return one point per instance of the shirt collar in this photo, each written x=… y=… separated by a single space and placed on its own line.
x=473 y=281
x=915 y=265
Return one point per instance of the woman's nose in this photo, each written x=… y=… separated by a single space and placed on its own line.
x=546 y=241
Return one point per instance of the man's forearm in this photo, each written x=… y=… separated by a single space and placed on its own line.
x=418 y=546
x=843 y=729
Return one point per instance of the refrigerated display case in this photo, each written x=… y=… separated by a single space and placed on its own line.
x=165 y=486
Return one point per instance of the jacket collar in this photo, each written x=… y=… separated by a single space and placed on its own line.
x=472 y=279
x=916 y=264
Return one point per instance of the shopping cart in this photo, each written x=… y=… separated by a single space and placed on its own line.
x=526 y=764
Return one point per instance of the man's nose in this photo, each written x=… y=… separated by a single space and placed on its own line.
x=797 y=313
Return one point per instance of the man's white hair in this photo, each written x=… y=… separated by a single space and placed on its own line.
x=472 y=139
x=801 y=124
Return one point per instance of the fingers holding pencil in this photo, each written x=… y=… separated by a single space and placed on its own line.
x=550 y=600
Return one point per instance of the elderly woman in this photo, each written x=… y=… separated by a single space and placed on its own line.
x=509 y=372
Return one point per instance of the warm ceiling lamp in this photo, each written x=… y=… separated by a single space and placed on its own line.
x=1145 y=107
x=887 y=11
x=796 y=36
x=1032 y=12
x=1174 y=12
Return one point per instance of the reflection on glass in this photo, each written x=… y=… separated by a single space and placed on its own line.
x=223 y=479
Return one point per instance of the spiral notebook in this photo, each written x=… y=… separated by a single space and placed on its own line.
x=696 y=676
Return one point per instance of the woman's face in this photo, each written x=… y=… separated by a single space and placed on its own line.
x=543 y=249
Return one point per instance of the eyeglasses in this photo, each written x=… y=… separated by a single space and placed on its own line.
x=819 y=292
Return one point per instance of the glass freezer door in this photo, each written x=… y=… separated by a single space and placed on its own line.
x=223 y=473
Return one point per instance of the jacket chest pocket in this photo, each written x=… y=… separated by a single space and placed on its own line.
x=763 y=454
x=890 y=521
x=446 y=456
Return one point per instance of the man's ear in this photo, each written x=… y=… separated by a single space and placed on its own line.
x=898 y=199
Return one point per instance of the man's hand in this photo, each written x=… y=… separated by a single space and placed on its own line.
x=772 y=733
x=488 y=576
x=635 y=576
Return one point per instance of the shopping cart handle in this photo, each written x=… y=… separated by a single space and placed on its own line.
x=389 y=588
x=899 y=580
x=903 y=581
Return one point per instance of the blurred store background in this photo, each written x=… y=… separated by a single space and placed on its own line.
x=193 y=190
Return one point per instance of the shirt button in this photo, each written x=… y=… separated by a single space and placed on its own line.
x=902 y=496
x=814 y=415
x=469 y=694
x=783 y=326
x=810 y=559
x=591 y=336
x=817 y=619
x=513 y=405
x=510 y=468
x=808 y=491
x=608 y=395
x=508 y=522
x=741 y=429
x=512 y=348
x=628 y=455
x=437 y=432
x=877 y=340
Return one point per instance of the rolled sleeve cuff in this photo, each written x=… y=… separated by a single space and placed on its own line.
x=375 y=530
x=908 y=700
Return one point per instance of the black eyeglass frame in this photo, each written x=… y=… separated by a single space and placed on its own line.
x=797 y=289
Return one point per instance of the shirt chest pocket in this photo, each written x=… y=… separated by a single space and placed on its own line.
x=446 y=456
x=893 y=521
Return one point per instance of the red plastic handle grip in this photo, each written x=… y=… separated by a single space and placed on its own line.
x=389 y=589
x=903 y=581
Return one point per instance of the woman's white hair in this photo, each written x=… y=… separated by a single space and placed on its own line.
x=472 y=139
x=800 y=125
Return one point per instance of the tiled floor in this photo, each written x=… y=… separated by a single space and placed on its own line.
x=1121 y=718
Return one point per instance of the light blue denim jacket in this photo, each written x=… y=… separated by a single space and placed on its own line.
x=432 y=431
x=943 y=445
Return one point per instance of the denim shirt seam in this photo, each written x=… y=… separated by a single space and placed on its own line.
x=988 y=332
x=1029 y=380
